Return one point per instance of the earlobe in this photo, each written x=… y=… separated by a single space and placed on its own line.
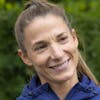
x=75 y=37
x=24 y=57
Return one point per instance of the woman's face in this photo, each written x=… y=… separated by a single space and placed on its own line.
x=51 y=48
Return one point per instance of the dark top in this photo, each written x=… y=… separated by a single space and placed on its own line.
x=84 y=90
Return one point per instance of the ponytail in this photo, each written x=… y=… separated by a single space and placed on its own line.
x=82 y=68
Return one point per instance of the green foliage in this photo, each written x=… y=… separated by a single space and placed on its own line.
x=85 y=18
x=12 y=71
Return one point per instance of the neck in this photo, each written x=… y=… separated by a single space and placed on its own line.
x=62 y=89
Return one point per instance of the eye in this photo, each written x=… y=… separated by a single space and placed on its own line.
x=40 y=47
x=63 y=39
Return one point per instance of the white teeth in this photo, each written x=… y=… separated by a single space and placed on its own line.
x=59 y=65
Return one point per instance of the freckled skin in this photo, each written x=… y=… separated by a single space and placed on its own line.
x=51 y=48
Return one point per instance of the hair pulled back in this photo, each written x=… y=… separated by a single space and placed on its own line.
x=36 y=8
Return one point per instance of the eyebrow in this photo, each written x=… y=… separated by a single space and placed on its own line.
x=38 y=42
x=42 y=41
x=60 y=34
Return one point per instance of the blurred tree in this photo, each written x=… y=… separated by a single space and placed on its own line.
x=12 y=71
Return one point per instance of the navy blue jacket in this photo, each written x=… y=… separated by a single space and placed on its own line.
x=84 y=90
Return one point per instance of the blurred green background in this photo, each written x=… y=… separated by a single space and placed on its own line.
x=85 y=18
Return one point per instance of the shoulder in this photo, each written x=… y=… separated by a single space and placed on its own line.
x=91 y=90
x=96 y=97
x=34 y=91
x=25 y=93
x=96 y=92
x=86 y=89
x=27 y=90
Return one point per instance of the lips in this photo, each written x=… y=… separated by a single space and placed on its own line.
x=63 y=64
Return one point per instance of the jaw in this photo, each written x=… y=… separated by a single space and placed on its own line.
x=57 y=75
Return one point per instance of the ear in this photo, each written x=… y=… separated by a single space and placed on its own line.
x=75 y=37
x=24 y=57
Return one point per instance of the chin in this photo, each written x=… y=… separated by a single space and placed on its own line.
x=63 y=78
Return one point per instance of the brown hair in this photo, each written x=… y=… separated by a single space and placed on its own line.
x=35 y=8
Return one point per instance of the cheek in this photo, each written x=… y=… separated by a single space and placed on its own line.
x=40 y=59
x=71 y=50
x=69 y=47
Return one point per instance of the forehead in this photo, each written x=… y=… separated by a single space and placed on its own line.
x=45 y=26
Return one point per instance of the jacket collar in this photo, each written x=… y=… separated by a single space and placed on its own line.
x=85 y=89
x=34 y=88
x=88 y=85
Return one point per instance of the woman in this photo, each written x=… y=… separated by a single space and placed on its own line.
x=49 y=46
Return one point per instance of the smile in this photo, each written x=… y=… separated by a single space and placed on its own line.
x=61 y=65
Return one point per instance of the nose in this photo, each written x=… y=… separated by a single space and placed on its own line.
x=56 y=52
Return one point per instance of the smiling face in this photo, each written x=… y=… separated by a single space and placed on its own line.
x=51 y=48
